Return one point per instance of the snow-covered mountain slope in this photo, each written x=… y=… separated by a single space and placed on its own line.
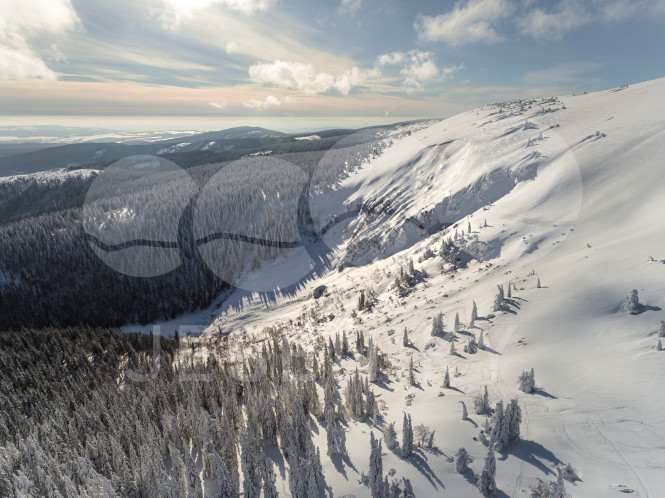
x=565 y=201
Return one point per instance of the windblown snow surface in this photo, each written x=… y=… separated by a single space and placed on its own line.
x=568 y=191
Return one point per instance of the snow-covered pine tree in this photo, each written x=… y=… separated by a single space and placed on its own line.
x=538 y=283
x=453 y=352
x=390 y=437
x=408 y=489
x=481 y=340
x=407 y=436
x=468 y=228
x=345 y=344
x=462 y=460
x=437 y=324
x=373 y=363
x=659 y=346
x=633 y=303
x=661 y=329
x=269 y=479
x=446 y=378
x=487 y=480
x=498 y=300
x=513 y=418
x=457 y=326
x=558 y=487
x=499 y=435
x=331 y=350
x=510 y=294
x=481 y=403
x=405 y=338
x=375 y=468
x=224 y=487
x=527 y=383
x=465 y=413
x=412 y=377
x=474 y=314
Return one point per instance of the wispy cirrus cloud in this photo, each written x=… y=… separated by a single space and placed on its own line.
x=349 y=6
x=559 y=19
x=22 y=23
x=562 y=75
x=481 y=21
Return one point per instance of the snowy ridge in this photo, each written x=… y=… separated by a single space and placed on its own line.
x=564 y=201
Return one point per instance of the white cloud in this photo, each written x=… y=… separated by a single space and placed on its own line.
x=349 y=6
x=304 y=77
x=417 y=68
x=469 y=22
x=566 y=16
x=390 y=59
x=22 y=22
x=219 y=105
x=420 y=69
x=269 y=101
x=185 y=8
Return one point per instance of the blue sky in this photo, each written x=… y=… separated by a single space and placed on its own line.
x=383 y=59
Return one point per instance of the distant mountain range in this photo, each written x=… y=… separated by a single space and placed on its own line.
x=31 y=157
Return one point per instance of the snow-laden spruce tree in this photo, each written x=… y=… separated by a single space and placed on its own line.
x=437 y=324
x=487 y=480
x=633 y=303
x=465 y=413
x=474 y=314
x=558 y=487
x=345 y=344
x=407 y=436
x=499 y=435
x=527 y=382
x=446 y=379
x=538 y=284
x=453 y=352
x=408 y=489
x=375 y=468
x=405 y=338
x=659 y=346
x=457 y=326
x=462 y=460
x=498 y=300
x=513 y=419
x=373 y=362
x=481 y=403
x=390 y=437
x=412 y=377
x=661 y=329
x=481 y=340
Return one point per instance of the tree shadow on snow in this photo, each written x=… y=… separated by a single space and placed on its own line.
x=533 y=453
x=470 y=477
x=472 y=422
x=341 y=463
x=545 y=394
x=420 y=463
